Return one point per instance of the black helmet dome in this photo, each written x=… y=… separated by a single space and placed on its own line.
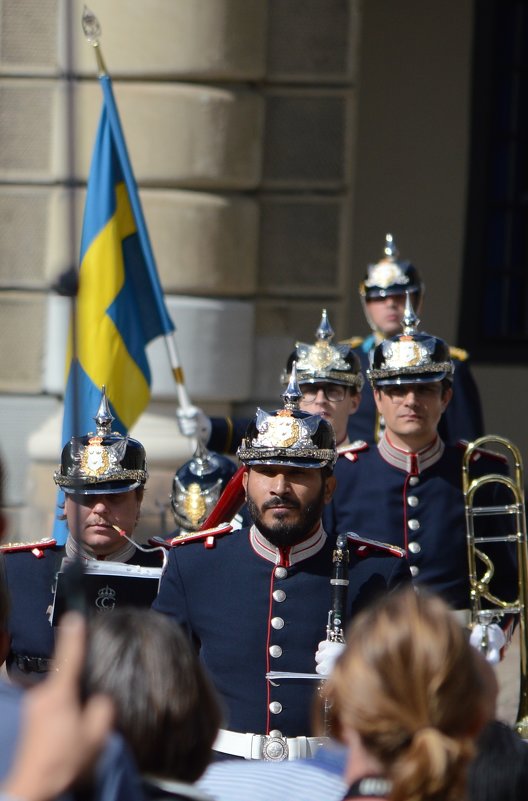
x=390 y=276
x=103 y=462
x=289 y=436
x=411 y=357
x=197 y=486
x=324 y=362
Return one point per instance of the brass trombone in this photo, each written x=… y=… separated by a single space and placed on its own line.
x=480 y=586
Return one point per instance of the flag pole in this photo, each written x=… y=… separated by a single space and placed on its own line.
x=92 y=32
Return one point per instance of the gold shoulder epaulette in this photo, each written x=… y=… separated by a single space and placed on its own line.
x=36 y=548
x=354 y=342
x=364 y=545
x=458 y=353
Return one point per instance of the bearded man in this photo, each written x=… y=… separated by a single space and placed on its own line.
x=258 y=601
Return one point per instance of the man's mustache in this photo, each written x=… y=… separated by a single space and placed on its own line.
x=278 y=501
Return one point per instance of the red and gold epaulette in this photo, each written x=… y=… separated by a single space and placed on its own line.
x=350 y=450
x=36 y=548
x=364 y=546
x=208 y=537
x=478 y=452
x=353 y=342
x=458 y=353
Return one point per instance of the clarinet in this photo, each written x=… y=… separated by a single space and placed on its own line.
x=339 y=583
x=334 y=627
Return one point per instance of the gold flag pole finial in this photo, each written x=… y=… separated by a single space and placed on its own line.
x=92 y=31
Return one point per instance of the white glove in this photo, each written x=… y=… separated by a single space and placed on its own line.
x=326 y=656
x=495 y=638
x=192 y=422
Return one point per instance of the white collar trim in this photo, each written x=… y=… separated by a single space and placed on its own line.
x=124 y=554
x=292 y=555
x=406 y=460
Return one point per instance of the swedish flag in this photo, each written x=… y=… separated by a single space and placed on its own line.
x=120 y=306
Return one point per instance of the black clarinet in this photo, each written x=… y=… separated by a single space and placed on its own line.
x=339 y=581
x=335 y=628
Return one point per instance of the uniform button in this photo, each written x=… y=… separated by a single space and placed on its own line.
x=279 y=595
x=412 y=500
x=415 y=547
x=280 y=572
x=275 y=707
x=414 y=524
x=275 y=650
x=277 y=622
x=414 y=480
x=414 y=570
x=275 y=732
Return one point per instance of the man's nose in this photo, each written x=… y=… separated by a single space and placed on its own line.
x=411 y=396
x=100 y=503
x=280 y=484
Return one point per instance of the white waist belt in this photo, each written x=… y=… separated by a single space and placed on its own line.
x=266 y=746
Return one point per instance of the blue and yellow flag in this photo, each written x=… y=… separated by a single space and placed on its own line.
x=120 y=306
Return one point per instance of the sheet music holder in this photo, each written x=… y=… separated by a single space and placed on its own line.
x=109 y=585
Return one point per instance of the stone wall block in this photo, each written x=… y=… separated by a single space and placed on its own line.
x=222 y=39
x=300 y=245
x=312 y=41
x=204 y=244
x=29 y=36
x=305 y=140
x=22 y=318
x=25 y=218
x=180 y=135
x=32 y=130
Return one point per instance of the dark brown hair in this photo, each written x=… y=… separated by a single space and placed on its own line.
x=166 y=708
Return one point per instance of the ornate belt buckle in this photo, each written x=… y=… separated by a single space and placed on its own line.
x=274 y=749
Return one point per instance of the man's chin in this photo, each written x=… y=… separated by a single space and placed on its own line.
x=101 y=543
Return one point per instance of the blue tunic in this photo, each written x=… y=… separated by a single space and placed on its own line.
x=30 y=584
x=252 y=609
x=422 y=510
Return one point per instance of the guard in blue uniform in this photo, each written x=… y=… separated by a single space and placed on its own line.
x=330 y=380
x=382 y=293
x=258 y=601
x=103 y=475
x=407 y=490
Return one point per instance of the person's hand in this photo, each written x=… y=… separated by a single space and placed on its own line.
x=192 y=422
x=493 y=636
x=326 y=656
x=60 y=738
